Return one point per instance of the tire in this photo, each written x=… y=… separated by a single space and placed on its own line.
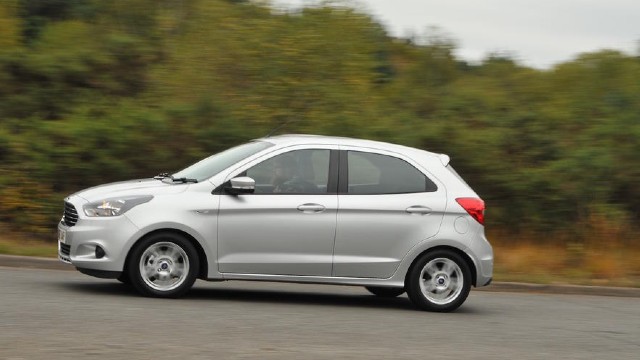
x=387 y=292
x=163 y=265
x=439 y=281
x=124 y=278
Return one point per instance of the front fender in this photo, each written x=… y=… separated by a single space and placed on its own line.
x=203 y=240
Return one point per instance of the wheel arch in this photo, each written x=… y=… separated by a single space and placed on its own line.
x=202 y=256
x=470 y=263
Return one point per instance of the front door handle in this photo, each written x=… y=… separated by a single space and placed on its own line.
x=311 y=208
x=417 y=209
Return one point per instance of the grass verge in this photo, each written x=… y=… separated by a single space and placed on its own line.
x=566 y=265
x=28 y=248
x=603 y=259
x=14 y=243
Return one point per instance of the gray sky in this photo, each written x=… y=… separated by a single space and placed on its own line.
x=538 y=33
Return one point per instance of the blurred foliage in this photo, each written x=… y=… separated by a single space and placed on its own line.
x=95 y=91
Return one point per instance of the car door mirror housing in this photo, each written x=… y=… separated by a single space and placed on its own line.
x=241 y=185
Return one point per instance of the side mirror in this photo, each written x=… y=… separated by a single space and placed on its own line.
x=241 y=185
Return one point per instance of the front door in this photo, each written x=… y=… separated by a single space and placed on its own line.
x=287 y=227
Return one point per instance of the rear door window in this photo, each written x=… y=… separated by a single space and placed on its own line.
x=370 y=173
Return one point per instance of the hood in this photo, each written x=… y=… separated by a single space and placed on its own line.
x=131 y=187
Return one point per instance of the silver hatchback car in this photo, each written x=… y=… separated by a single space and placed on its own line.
x=294 y=208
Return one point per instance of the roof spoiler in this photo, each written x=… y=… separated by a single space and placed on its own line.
x=444 y=159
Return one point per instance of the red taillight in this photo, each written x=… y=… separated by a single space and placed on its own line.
x=474 y=206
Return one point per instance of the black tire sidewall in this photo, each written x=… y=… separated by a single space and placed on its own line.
x=413 y=282
x=388 y=292
x=133 y=268
x=124 y=278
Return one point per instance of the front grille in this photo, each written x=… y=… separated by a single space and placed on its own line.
x=70 y=216
x=65 y=249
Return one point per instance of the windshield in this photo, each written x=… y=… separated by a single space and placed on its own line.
x=212 y=165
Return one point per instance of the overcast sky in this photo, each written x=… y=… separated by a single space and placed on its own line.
x=538 y=33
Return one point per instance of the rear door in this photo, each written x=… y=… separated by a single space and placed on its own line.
x=386 y=206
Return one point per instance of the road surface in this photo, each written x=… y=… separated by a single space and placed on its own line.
x=50 y=314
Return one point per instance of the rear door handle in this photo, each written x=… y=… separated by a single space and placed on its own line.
x=417 y=209
x=311 y=208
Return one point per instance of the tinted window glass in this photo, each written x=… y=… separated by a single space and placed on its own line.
x=294 y=172
x=380 y=174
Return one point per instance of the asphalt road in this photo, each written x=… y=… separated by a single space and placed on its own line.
x=50 y=314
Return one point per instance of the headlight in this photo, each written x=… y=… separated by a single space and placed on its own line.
x=114 y=206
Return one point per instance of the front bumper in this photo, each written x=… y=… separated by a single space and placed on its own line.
x=95 y=243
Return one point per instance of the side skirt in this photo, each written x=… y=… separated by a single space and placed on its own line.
x=314 y=280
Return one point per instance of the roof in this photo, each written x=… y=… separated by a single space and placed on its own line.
x=287 y=139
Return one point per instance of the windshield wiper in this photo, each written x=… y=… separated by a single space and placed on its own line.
x=161 y=176
x=183 y=179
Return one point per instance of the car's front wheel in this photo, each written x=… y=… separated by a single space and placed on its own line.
x=163 y=265
x=439 y=281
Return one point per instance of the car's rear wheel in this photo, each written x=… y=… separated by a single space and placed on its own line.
x=439 y=281
x=163 y=265
x=385 y=291
x=124 y=278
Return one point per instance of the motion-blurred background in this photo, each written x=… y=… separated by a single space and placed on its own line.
x=96 y=91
